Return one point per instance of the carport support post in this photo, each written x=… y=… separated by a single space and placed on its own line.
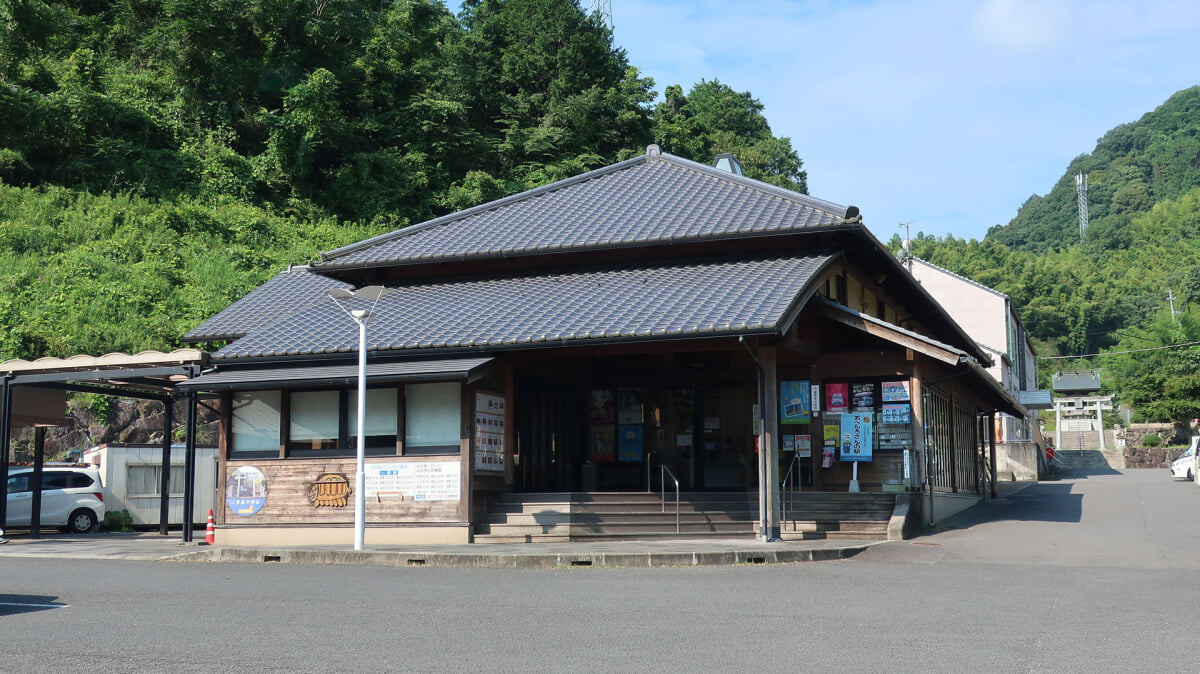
x=5 y=429
x=39 y=458
x=164 y=502
x=189 y=468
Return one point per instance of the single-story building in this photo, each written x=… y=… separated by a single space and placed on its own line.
x=588 y=337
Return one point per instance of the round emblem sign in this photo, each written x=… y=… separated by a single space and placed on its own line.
x=245 y=491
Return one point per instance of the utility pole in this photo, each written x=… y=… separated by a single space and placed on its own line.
x=906 y=245
x=1081 y=185
x=1171 y=299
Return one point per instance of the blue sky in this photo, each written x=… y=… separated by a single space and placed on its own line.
x=945 y=113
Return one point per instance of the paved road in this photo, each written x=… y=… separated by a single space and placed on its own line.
x=1081 y=575
x=1138 y=519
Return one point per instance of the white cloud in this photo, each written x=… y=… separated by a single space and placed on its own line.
x=1026 y=25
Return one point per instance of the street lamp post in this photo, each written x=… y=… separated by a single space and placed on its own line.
x=361 y=317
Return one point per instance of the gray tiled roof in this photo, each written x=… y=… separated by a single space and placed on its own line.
x=653 y=198
x=282 y=295
x=682 y=300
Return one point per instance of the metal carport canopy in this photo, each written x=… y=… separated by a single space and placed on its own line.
x=148 y=375
x=332 y=375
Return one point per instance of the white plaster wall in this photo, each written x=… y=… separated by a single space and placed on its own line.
x=981 y=313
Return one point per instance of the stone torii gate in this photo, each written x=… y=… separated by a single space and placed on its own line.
x=1080 y=406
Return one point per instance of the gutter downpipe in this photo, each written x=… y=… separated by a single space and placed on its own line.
x=764 y=534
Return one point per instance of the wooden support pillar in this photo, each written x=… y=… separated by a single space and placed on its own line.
x=992 y=448
x=1058 y=426
x=769 y=440
x=922 y=471
x=466 y=456
x=510 y=426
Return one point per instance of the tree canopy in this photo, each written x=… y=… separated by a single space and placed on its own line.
x=160 y=158
x=712 y=119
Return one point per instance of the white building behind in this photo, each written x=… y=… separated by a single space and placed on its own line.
x=988 y=316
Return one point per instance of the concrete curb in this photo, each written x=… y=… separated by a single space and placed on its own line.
x=521 y=560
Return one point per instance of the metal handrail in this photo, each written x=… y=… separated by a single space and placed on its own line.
x=783 y=486
x=662 y=487
x=649 y=456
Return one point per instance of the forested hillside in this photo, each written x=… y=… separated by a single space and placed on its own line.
x=1113 y=291
x=1133 y=167
x=160 y=158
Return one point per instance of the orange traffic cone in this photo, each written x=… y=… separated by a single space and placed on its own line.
x=210 y=533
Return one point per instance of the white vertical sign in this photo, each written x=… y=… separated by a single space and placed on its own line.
x=489 y=432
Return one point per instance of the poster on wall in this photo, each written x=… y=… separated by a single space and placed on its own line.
x=837 y=398
x=803 y=446
x=245 y=491
x=489 y=432
x=629 y=405
x=862 y=397
x=603 y=448
x=600 y=407
x=829 y=442
x=629 y=442
x=414 y=480
x=794 y=407
x=857 y=437
x=896 y=413
x=895 y=391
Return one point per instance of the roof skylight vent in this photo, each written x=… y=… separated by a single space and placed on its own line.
x=728 y=163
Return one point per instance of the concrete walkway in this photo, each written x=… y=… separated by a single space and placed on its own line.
x=673 y=552
x=679 y=552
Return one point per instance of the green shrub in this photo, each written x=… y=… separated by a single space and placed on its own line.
x=1151 y=440
x=118 y=521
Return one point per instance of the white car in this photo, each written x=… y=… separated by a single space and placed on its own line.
x=1185 y=465
x=72 y=498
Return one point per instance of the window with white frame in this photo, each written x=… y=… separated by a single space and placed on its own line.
x=314 y=420
x=432 y=418
x=146 y=480
x=380 y=422
x=254 y=424
x=323 y=423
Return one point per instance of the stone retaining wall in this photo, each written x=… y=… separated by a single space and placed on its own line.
x=1139 y=456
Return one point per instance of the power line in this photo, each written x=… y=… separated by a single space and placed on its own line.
x=1113 y=353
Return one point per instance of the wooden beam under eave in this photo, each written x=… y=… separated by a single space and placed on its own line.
x=891 y=335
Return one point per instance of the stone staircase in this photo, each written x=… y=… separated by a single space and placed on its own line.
x=817 y=515
x=1089 y=461
x=592 y=516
